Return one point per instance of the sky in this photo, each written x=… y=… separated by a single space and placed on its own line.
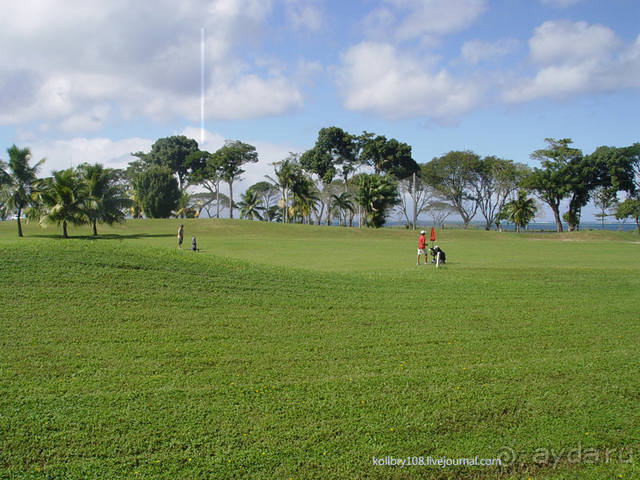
x=93 y=81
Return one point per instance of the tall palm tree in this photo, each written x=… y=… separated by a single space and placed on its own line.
x=62 y=200
x=107 y=197
x=305 y=196
x=18 y=179
x=520 y=210
x=250 y=205
x=285 y=173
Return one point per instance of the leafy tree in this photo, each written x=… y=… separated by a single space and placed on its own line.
x=207 y=172
x=615 y=168
x=5 y=180
x=285 y=173
x=17 y=180
x=273 y=214
x=230 y=159
x=554 y=181
x=632 y=154
x=334 y=152
x=267 y=193
x=413 y=188
x=342 y=207
x=630 y=208
x=250 y=205
x=205 y=201
x=106 y=193
x=377 y=195
x=604 y=199
x=157 y=191
x=305 y=196
x=62 y=199
x=174 y=153
x=521 y=210
x=583 y=174
x=496 y=180
x=439 y=212
x=187 y=206
x=454 y=176
x=387 y=156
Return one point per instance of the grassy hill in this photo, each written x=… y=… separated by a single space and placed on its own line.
x=287 y=351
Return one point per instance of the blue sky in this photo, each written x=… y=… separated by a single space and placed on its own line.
x=96 y=80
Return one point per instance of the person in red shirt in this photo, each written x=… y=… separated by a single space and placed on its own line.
x=422 y=243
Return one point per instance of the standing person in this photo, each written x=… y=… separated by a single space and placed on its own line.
x=194 y=245
x=180 y=236
x=422 y=242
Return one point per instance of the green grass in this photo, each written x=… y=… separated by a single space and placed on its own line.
x=284 y=351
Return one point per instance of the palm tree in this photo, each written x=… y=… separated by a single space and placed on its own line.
x=273 y=214
x=305 y=196
x=250 y=205
x=521 y=210
x=183 y=205
x=285 y=173
x=63 y=199
x=107 y=197
x=342 y=204
x=376 y=194
x=18 y=181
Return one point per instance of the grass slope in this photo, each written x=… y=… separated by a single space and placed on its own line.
x=285 y=351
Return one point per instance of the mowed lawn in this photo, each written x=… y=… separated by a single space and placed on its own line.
x=286 y=351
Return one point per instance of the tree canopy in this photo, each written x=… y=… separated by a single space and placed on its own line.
x=174 y=153
x=553 y=182
x=17 y=179
x=157 y=191
x=229 y=159
x=454 y=177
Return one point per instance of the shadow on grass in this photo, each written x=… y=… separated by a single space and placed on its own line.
x=107 y=236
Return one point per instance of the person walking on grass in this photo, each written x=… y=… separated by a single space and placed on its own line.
x=422 y=243
x=180 y=236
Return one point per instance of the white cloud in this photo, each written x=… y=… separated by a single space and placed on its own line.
x=63 y=62
x=576 y=58
x=422 y=19
x=375 y=77
x=477 y=51
x=268 y=153
x=212 y=141
x=61 y=154
x=559 y=3
x=91 y=120
x=304 y=15
x=252 y=96
x=571 y=41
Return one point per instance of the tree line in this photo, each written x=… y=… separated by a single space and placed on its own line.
x=341 y=179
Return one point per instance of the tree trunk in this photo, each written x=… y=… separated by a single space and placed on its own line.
x=19 y=223
x=328 y=212
x=556 y=215
x=217 y=198
x=95 y=229
x=64 y=229
x=415 y=203
x=230 y=199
